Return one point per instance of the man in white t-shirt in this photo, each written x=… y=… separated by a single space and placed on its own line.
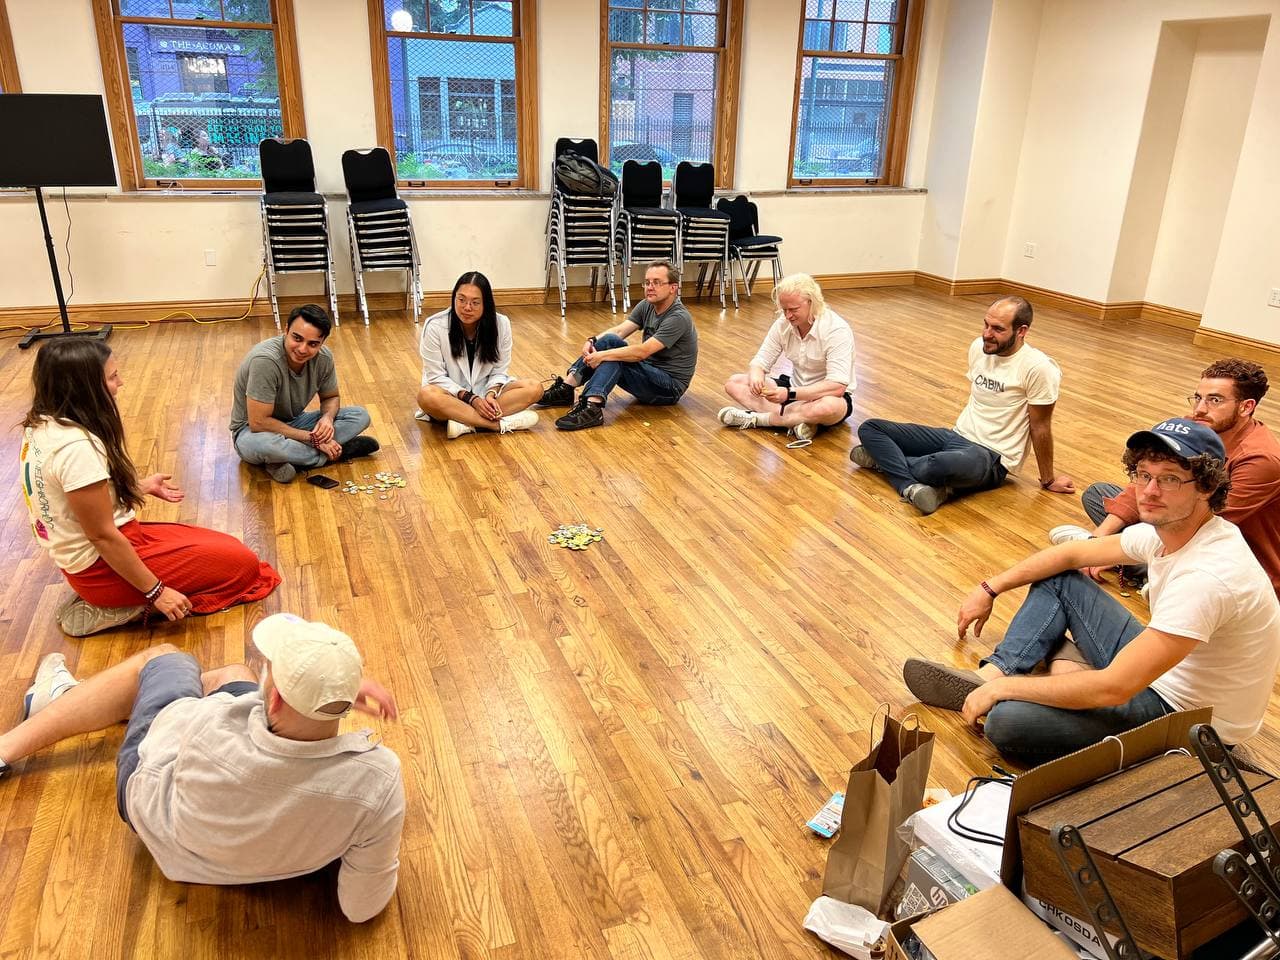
x=1013 y=389
x=1213 y=639
x=818 y=342
x=228 y=779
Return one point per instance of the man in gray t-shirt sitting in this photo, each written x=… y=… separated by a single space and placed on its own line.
x=276 y=382
x=656 y=370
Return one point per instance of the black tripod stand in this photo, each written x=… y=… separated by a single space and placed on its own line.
x=102 y=333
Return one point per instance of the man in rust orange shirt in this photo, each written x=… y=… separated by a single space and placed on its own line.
x=1225 y=401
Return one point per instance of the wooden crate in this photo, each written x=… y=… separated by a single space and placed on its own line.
x=1153 y=831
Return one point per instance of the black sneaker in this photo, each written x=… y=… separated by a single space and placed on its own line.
x=559 y=394
x=360 y=446
x=584 y=415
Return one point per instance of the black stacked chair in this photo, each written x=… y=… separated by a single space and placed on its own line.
x=378 y=225
x=704 y=230
x=579 y=228
x=646 y=230
x=746 y=242
x=295 y=222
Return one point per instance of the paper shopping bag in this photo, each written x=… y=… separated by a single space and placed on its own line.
x=884 y=789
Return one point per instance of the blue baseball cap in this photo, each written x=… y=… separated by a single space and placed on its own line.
x=1184 y=437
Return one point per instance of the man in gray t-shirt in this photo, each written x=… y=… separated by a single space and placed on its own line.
x=276 y=382
x=656 y=370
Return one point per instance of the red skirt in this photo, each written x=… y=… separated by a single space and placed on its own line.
x=215 y=571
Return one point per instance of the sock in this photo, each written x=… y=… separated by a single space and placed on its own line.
x=764 y=420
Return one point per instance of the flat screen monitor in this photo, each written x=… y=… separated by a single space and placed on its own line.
x=54 y=140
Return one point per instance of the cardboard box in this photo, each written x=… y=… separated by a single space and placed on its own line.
x=932 y=883
x=989 y=924
x=1153 y=831
x=1072 y=927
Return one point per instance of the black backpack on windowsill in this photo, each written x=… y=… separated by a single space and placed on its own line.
x=580 y=177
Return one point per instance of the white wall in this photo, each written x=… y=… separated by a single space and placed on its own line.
x=152 y=248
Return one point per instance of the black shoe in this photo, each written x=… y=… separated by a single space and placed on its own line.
x=559 y=394
x=585 y=414
x=360 y=446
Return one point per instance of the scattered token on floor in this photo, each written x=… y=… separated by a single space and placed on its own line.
x=576 y=536
x=379 y=484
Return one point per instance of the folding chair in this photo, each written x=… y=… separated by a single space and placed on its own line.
x=646 y=230
x=580 y=229
x=704 y=230
x=378 y=225
x=746 y=242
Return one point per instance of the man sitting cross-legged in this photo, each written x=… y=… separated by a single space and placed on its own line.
x=819 y=344
x=1213 y=639
x=657 y=370
x=1013 y=388
x=226 y=780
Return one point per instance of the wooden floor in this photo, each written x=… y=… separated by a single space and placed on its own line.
x=609 y=753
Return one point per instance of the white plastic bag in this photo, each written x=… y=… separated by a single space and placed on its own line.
x=846 y=926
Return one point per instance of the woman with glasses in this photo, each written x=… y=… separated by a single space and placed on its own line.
x=466 y=354
x=82 y=493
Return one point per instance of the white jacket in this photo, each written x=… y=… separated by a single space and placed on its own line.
x=442 y=369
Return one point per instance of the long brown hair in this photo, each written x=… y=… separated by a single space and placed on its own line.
x=69 y=385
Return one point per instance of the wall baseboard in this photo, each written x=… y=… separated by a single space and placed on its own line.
x=1236 y=345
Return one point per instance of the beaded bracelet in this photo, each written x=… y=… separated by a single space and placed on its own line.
x=151 y=595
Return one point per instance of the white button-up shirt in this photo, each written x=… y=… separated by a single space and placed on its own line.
x=826 y=352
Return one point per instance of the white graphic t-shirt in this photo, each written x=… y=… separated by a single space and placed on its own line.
x=1001 y=390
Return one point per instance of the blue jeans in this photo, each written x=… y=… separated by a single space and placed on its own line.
x=1093 y=499
x=267 y=447
x=1066 y=604
x=644 y=380
x=908 y=453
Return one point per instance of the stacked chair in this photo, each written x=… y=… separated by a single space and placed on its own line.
x=378 y=225
x=295 y=222
x=579 y=228
x=704 y=230
x=646 y=230
x=746 y=242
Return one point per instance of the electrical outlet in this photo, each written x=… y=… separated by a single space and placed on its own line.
x=1274 y=299
x=1029 y=250
x=211 y=258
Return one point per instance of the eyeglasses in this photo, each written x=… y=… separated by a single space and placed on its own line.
x=657 y=283
x=1213 y=400
x=1167 y=482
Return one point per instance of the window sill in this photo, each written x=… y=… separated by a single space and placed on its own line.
x=165 y=194
x=820 y=191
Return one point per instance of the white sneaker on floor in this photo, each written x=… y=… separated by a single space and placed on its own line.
x=925 y=498
x=453 y=430
x=737 y=417
x=524 y=420
x=79 y=618
x=1068 y=532
x=803 y=431
x=53 y=679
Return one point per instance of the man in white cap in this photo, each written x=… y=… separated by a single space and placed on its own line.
x=230 y=779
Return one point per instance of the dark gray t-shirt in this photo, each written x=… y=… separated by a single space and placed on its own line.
x=679 y=353
x=265 y=376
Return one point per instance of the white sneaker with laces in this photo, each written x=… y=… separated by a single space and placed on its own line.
x=803 y=431
x=524 y=420
x=1068 y=532
x=53 y=679
x=454 y=429
x=737 y=417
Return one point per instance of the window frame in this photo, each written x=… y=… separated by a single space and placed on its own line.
x=728 y=80
x=910 y=23
x=115 y=75
x=524 y=41
x=10 y=82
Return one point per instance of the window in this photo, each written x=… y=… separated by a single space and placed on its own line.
x=668 y=78
x=455 y=90
x=194 y=85
x=8 y=61
x=854 y=82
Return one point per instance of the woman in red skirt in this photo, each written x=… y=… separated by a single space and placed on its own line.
x=82 y=493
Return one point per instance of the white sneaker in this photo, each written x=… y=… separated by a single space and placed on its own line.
x=737 y=417
x=78 y=618
x=1068 y=532
x=524 y=420
x=53 y=679
x=925 y=498
x=803 y=431
x=453 y=430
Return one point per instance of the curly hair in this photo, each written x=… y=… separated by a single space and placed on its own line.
x=1209 y=473
x=1249 y=378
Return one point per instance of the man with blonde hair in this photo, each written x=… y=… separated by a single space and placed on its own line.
x=1013 y=388
x=815 y=393
x=227 y=778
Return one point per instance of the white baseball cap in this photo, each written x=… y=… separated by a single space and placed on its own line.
x=316 y=668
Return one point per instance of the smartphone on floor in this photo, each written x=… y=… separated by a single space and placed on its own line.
x=325 y=483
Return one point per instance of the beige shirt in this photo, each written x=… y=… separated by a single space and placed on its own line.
x=55 y=460
x=824 y=353
x=1000 y=390
x=218 y=798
